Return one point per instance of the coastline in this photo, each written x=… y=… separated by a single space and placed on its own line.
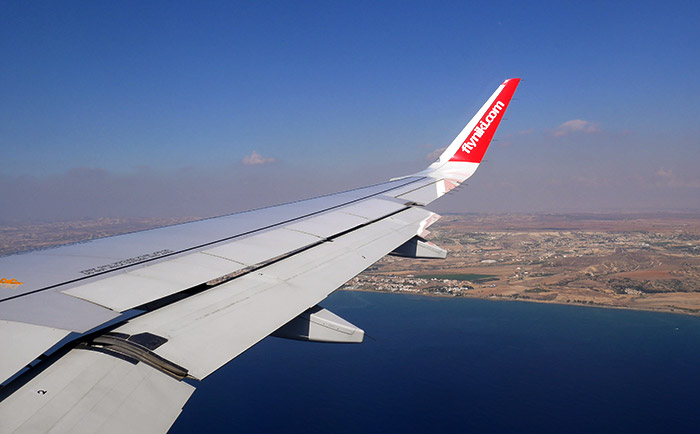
x=676 y=310
x=635 y=262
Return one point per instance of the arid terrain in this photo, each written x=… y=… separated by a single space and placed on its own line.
x=641 y=261
x=20 y=237
x=637 y=261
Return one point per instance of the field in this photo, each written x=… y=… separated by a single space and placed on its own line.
x=638 y=261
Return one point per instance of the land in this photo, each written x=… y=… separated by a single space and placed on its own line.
x=18 y=237
x=635 y=261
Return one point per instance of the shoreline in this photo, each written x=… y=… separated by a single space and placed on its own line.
x=676 y=311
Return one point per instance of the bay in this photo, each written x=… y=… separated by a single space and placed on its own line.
x=463 y=366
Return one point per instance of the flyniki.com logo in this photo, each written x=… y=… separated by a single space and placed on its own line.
x=481 y=127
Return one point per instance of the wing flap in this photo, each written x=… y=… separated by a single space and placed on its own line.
x=93 y=392
x=199 y=328
x=26 y=342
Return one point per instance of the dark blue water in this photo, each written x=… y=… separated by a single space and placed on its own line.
x=464 y=366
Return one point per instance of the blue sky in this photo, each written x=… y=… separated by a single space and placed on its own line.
x=170 y=98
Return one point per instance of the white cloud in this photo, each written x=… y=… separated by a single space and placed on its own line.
x=668 y=174
x=668 y=178
x=435 y=154
x=255 y=159
x=576 y=126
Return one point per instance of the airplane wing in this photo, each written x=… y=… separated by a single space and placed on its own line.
x=109 y=335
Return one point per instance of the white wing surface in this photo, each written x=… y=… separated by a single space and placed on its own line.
x=134 y=319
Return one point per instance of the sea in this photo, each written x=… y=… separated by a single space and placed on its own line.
x=458 y=365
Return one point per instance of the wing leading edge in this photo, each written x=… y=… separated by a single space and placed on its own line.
x=197 y=295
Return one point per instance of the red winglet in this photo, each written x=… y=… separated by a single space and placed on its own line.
x=474 y=146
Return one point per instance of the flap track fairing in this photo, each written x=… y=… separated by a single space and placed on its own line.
x=320 y=325
x=417 y=247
